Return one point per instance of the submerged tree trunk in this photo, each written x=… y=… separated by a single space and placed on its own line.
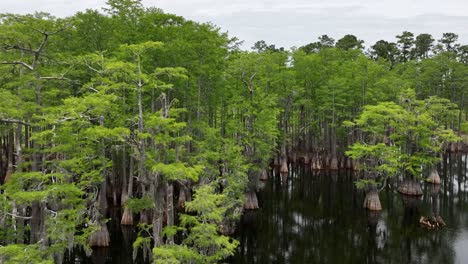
x=284 y=165
x=334 y=158
x=410 y=187
x=372 y=201
x=251 y=201
x=434 y=177
x=127 y=216
x=264 y=175
x=101 y=237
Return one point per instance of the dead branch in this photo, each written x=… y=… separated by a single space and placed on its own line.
x=18 y=62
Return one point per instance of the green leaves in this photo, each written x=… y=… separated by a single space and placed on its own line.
x=203 y=243
x=140 y=48
x=137 y=205
x=414 y=134
x=178 y=171
x=20 y=254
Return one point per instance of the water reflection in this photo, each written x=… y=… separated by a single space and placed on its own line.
x=311 y=217
x=120 y=250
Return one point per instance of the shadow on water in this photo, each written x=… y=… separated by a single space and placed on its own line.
x=316 y=217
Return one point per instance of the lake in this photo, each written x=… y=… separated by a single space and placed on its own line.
x=317 y=217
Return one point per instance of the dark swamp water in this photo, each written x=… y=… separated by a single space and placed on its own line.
x=317 y=217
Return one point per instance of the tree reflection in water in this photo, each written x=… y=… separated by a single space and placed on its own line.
x=318 y=218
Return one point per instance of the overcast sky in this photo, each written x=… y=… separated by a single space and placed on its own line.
x=294 y=22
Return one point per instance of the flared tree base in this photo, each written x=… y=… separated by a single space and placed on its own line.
x=100 y=238
x=372 y=201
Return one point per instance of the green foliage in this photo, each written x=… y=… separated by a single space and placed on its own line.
x=176 y=254
x=203 y=243
x=21 y=254
x=137 y=205
x=178 y=171
x=415 y=134
x=187 y=107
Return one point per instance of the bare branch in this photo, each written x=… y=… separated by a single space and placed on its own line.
x=18 y=216
x=45 y=33
x=18 y=47
x=252 y=77
x=55 y=78
x=93 y=89
x=92 y=68
x=13 y=121
x=18 y=62
x=65 y=119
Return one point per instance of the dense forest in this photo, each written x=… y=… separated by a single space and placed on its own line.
x=171 y=120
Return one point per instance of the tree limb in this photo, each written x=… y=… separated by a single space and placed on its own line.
x=13 y=121
x=18 y=216
x=18 y=62
x=55 y=78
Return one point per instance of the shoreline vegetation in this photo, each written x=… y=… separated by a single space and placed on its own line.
x=170 y=120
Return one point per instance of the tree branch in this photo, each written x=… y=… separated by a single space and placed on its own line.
x=13 y=121
x=18 y=47
x=18 y=216
x=18 y=62
x=55 y=78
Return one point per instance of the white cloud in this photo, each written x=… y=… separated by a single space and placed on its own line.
x=295 y=22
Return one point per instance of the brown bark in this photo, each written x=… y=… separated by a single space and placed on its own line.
x=182 y=198
x=158 y=211
x=434 y=177
x=333 y=145
x=113 y=179
x=251 y=201
x=124 y=192
x=170 y=209
x=453 y=147
x=410 y=187
x=127 y=216
x=334 y=163
x=292 y=157
x=37 y=224
x=100 y=238
x=264 y=175
x=349 y=163
x=10 y=161
x=372 y=201
x=227 y=227
x=284 y=177
x=277 y=162
x=284 y=166
x=18 y=152
x=306 y=159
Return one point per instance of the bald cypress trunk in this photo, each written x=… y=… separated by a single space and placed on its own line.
x=372 y=201
x=170 y=209
x=10 y=161
x=434 y=177
x=127 y=216
x=101 y=237
x=333 y=143
x=251 y=201
x=410 y=187
x=158 y=211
